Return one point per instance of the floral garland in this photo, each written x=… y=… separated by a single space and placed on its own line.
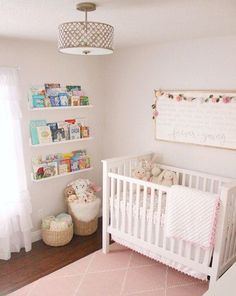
x=180 y=97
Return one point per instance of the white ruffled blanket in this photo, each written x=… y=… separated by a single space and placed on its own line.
x=85 y=212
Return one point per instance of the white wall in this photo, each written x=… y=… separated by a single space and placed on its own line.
x=132 y=74
x=121 y=88
x=39 y=63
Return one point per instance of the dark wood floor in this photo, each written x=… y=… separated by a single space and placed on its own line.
x=24 y=268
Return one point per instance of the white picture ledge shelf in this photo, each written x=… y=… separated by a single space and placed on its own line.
x=61 y=108
x=62 y=175
x=61 y=142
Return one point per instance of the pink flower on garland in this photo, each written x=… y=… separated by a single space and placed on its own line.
x=226 y=100
x=214 y=99
x=155 y=113
x=179 y=98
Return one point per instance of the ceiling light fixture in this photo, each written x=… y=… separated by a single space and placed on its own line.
x=85 y=38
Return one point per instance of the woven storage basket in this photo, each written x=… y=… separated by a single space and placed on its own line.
x=83 y=228
x=57 y=238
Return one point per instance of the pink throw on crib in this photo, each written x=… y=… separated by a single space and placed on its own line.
x=191 y=215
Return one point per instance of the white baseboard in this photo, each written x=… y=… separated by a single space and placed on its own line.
x=36 y=235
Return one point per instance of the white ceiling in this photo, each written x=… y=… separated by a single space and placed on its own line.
x=135 y=21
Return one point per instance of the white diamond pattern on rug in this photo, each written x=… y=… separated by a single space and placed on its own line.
x=121 y=272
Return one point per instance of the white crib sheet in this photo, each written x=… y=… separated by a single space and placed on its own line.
x=125 y=203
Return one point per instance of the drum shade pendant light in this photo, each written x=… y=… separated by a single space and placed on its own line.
x=85 y=38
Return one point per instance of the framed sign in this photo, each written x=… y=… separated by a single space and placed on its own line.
x=196 y=117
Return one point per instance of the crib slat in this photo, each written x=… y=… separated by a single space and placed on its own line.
x=124 y=206
x=197 y=182
x=204 y=184
x=232 y=234
x=137 y=203
x=158 y=219
x=233 y=243
x=150 y=220
x=188 y=250
x=228 y=242
x=119 y=170
x=198 y=254
x=182 y=248
x=172 y=245
x=167 y=243
x=212 y=185
x=183 y=179
x=144 y=213
x=118 y=206
x=112 y=201
x=130 y=208
x=229 y=229
x=190 y=181
x=177 y=176
x=130 y=168
x=207 y=257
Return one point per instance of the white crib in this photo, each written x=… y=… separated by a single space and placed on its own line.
x=133 y=212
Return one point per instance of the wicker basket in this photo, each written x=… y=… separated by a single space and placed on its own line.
x=57 y=238
x=83 y=228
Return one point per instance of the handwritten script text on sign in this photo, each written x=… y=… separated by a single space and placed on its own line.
x=212 y=124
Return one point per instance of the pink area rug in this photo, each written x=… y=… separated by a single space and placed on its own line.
x=121 y=272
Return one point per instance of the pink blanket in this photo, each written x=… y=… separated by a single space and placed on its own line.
x=191 y=215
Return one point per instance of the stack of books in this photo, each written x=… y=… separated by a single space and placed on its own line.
x=70 y=129
x=53 y=95
x=60 y=163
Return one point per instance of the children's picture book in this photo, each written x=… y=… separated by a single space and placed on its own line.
x=38 y=101
x=63 y=97
x=82 y=163
x=59 y=135
x=84 y=131
x=51 y=85
x=71 y=121
x=74 y=131
x=44 y=134
x=73 y=89
x=53 y=127
x=45 y=170
x=33 y=130
x=55 y=101
x=87 y=164
x=63 y=169
x=59 y=163
x=84 y=101
x=52 y=89
x=47 y=102
x=37 y=90
x=74 y=165
x=64 y=125
x=67 y=163
x=75 y=101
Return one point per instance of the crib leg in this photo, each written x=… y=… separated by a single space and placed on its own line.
x=105 y=242
x=212 y=283
x=105 y=210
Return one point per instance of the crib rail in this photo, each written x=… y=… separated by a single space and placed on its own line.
x=227 y=230
x=134 y=211
x=137 y=210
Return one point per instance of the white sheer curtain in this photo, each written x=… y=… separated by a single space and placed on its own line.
x=15 y=205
